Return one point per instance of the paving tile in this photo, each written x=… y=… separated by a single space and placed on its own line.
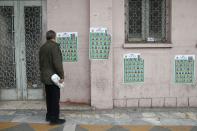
x=20 y=127
x=139 y=122
x=117 y=128
x=59 y=128
x=194 y=128
x=78 y=128
x=93 y=127
x=2 y=113
x=191 y=115
x=138 y=128
x=177 y=122
x=149 y=114
x=159 y=129
x=46 y=127
x=69 y=127
x=154 y=121
x=4 y=125
x=6 y=118
x=178 y=115
x=180 y=128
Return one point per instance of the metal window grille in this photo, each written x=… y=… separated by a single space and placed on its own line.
x=33 y=38
x=146 y=20
x=7 y=48
x=135 y=18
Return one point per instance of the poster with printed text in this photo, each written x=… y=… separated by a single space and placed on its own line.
x=133 y=68
x=100 y=43
x=184 y=69
x=68 y=43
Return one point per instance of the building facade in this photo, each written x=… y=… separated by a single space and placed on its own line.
x=151 y=60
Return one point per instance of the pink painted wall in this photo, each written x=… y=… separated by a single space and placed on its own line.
x=158 y=88
x=73 y=16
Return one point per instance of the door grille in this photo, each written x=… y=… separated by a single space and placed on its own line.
x=33 y=39
x=7 y=48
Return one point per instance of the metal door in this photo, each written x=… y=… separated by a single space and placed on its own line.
x=21 y=36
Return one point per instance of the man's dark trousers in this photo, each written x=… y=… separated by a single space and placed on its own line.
x=52 y=101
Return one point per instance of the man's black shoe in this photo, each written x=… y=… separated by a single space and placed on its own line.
x=47 y=119
x=57 y=121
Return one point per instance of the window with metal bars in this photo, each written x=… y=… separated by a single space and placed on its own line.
x=147 y=21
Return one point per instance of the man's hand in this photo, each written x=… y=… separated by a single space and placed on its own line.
x=61 y=80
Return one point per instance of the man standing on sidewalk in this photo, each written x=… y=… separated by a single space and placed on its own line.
x=50 y=60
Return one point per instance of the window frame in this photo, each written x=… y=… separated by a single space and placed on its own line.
x=145 y=24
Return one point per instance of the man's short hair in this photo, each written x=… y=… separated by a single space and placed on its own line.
x=50 y=35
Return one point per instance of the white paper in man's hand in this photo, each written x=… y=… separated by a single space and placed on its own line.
x=55 y=78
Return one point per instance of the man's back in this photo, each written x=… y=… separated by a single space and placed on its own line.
x=50 y=61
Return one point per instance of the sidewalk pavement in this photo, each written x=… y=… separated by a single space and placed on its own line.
x=78 y=115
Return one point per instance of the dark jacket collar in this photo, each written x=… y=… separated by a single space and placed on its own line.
x=50 y=41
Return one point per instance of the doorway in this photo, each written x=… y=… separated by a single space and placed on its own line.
x=21 y=31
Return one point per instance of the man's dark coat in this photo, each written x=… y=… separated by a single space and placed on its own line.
x=50 y=60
